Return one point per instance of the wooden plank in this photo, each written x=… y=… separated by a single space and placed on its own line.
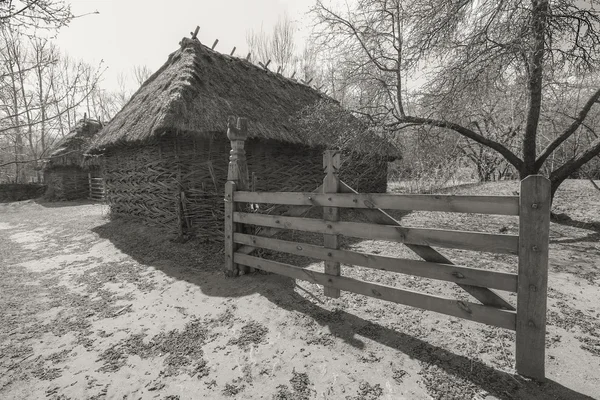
x=445 y=272
x=498 y=205
x=534 y=227
x=486 y=242
x=484 y=295
x=456 y=308
x=230 y=268
x=331 y=184
x=292 y=212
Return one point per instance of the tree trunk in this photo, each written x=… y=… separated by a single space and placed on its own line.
x=534 y=85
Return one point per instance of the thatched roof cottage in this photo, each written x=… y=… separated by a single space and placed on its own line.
x=166 y=152
x=64 y=173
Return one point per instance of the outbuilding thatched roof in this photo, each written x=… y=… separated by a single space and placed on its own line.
x=196 y=90
x=69 y=150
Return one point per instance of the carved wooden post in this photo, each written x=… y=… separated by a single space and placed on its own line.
x=534 y=227
x=238 y=169
x=331 y=184
x=237 y=179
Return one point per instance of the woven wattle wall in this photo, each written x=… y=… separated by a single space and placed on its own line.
x=66 y=183
x=178 y=182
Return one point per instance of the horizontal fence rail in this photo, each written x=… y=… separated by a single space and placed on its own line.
x=96 y=188
x=532 y=206
x=476 y=241
x=456 y=308
x=444 y=272
x=498 y=205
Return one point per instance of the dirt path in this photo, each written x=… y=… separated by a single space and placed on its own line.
x=94 y=309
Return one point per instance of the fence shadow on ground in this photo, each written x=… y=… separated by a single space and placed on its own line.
x=349 y=328
x=202 y=265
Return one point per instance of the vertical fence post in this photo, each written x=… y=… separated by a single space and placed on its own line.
x=230 y=267
x=237 y=177
x=90 y=185
x=331 y=184
x=534 y=227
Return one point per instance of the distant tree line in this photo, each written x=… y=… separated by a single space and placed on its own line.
x=44 y=91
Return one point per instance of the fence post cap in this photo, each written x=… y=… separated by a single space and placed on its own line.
x=237 y=128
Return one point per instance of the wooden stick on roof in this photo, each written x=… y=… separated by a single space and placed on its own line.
x=232 y=51
x=195 y=33
x=293 y=74
x=248 y=56
x=214 y=44
x=267 y=64
x=309 y=81
x=279 y=69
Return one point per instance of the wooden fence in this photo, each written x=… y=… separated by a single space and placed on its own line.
x=531 y=247
x=97 y=188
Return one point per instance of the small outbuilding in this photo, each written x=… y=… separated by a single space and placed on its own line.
x=165 y=154
x=65 y=175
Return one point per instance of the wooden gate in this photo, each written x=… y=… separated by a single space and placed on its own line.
x=531 y=246
x=97 y=189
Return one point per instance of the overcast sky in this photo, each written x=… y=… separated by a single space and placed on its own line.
x=144 y=32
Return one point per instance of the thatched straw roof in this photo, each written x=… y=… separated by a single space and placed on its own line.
x=196 y=90
x=69 y=150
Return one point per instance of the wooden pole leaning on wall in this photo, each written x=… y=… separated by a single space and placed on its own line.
x=237 y=179
x=331 y=184
x=534 y=229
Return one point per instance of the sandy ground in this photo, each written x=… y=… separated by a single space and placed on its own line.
x=94 y=309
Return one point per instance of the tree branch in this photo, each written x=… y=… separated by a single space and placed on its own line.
x=36 y=159
x=561 y=173
x=569 y=131
x=500 y=148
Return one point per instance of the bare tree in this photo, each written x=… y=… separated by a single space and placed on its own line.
x=35 y=14
x=141 y=73
x=128 y=83
x=278 y=46
x=43 y=92
x=468 y=50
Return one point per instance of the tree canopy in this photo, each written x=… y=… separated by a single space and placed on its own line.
x=491 y=71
